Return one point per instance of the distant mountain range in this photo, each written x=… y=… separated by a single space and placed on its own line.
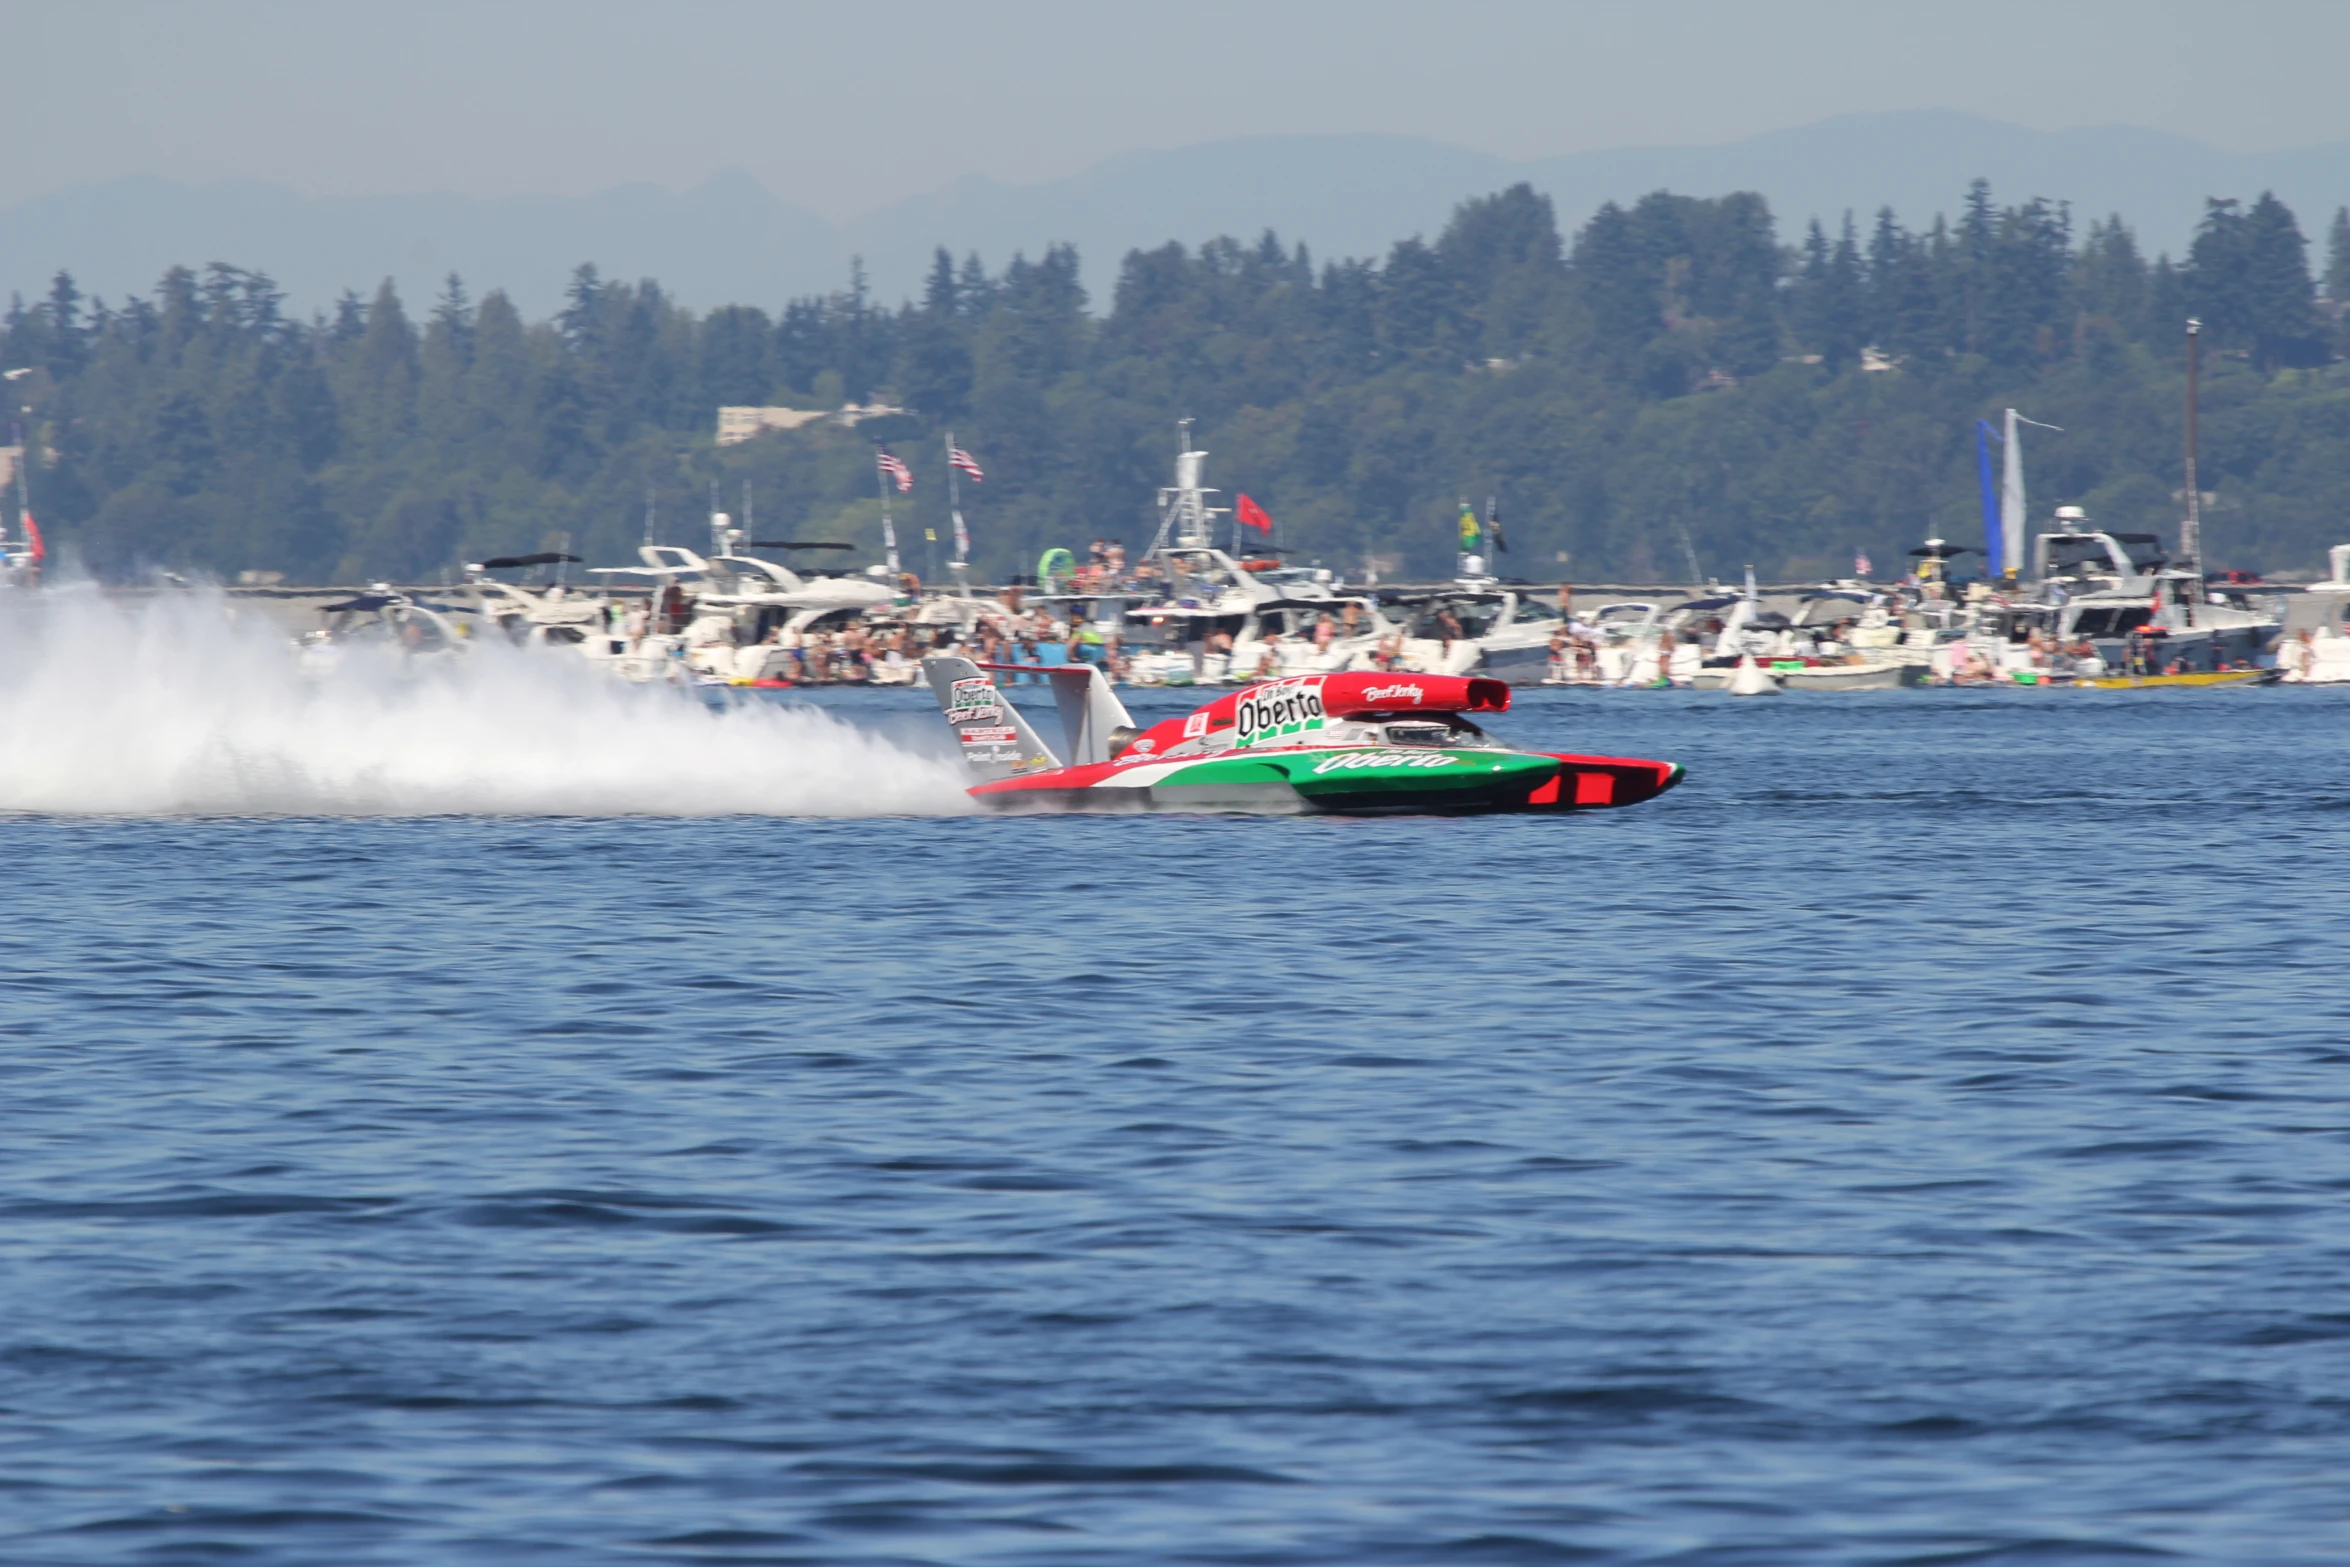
x=730 y=241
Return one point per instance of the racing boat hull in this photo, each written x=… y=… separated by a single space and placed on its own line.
x=2207 y=677
x=1356 y=744
x=1345 y=781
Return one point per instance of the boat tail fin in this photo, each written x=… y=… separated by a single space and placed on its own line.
x=1094 y=721
x=997 y=741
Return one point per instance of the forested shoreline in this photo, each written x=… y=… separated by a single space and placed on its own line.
x=1670 y=384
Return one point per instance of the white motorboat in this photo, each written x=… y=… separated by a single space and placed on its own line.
x=386 y=621
x=2314 y=649
x=1209 y=601
x=1851 y=677
x=1480 y=628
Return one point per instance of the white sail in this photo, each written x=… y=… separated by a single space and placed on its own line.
x=2011 y=497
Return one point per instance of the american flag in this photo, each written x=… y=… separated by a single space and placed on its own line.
x=891 y=467
x=959 y=458
x=1860 y=565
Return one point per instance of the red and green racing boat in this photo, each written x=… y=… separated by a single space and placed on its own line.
x=1349 y=744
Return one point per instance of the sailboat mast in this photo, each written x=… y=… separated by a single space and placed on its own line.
x=954 y=496
x=2011 y=502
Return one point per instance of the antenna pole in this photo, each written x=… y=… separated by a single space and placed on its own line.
x=2191 y=530
x=24 y=494
x=961 y=565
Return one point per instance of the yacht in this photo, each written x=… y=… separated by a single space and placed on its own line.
x=2122 y=593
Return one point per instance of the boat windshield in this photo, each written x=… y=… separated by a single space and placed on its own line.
x=2117 y=620
x=1472 y=617
x=1451 y=731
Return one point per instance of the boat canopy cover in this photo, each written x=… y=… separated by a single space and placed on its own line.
x=1941 y=551
x=796 y=544
x=367 y=601
x=544 y=558
x=1718 y=601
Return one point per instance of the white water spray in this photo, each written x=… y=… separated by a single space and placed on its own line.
x=179 y=705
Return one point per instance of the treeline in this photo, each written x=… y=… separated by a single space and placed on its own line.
x=1674 y=386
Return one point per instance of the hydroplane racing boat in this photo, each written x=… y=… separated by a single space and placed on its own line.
x=1352 y=744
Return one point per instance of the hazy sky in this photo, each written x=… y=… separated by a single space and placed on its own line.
x=848 y=107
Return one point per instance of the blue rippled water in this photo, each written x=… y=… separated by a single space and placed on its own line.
x=1924 y=1138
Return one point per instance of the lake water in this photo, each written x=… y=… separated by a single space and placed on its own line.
x=1924 y=1137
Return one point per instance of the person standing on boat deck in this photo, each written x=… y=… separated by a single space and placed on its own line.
x=1220 y=642
x=1448 y=628
x=639 y=617
x=1269 y=660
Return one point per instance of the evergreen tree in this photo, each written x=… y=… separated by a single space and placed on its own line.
x=1612 y=284
x=2280 y=307
x=2021 y=310
x=1901 y=302
x=1967 y=267
x=736 y=346
x=1416 y=299
x=61 y=346
x=1830 y=305
x=452 y=317
x=2110 y=282
x=380 y=375
x=2216 y=273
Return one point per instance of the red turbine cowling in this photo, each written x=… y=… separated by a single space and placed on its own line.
x=1352 y=696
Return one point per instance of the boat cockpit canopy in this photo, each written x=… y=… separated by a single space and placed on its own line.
x=2085 y=556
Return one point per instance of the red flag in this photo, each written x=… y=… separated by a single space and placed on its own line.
x=1252 y=515
x=32 y=534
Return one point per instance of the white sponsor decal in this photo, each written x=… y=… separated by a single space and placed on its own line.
x=1196 y=725
x=1345 y=761
x=973 y=701
x=1394 y=693
x=990 y=736
x=1146 y=745
x=1281 y=707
